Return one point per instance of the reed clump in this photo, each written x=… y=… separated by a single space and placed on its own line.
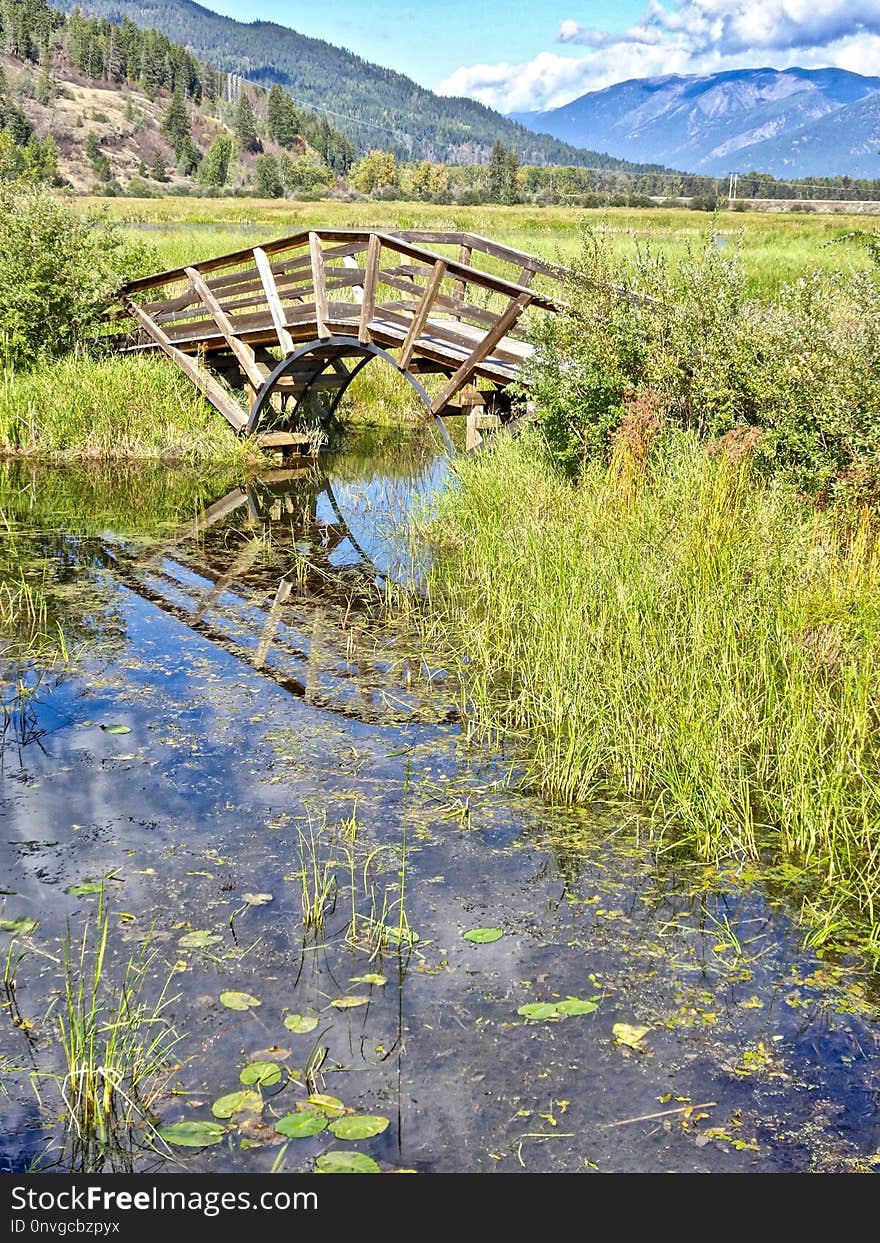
x=93 y=406
x=678 y=629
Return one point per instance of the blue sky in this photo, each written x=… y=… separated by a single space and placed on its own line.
x=431 y=39
x=518 y=56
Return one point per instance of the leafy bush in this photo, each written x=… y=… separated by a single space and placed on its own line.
x=58 y=270
x=800 y=369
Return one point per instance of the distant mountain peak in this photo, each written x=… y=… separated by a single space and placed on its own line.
x=790 y=122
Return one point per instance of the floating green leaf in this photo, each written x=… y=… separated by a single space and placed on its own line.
x=301 y=1125
x=199 y=939
x=238 y=1001
x=370 y=978
x=630 y=1035
x=332 y=1106
x=84 y=889
x=263 y=1074
x=537 y=1010
x=256 y=899
x=21 y=927
x=237 y=1102
x=116 y=729
x=349 y=1002
x=574 y=1005
x=300 y=1023
x=346 y=1163
x=543 y=1010
x=193 y=1134
x=358 y=1126
x=483 y=936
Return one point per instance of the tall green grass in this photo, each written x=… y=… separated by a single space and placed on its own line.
x=84 y=406
x=674 y=631
x=117 y=1051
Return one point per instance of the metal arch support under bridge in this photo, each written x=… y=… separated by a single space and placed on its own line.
x=275 y=324
x=330 y=351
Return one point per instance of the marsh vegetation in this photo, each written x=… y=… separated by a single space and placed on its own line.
x=313 y=823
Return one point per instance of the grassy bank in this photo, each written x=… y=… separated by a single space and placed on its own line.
x=684 y=635
x=82 y=407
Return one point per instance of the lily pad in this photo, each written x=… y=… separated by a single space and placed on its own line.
x=346 y=1163
x=358 y=1126
x=543 y=1010
x=301 y=1125
x=238 y=1001
x=263 y=1074
x=574 y=1005
x=630 y=1035
x=371 y=978
x=300 y=1023
x=483 y=936
x=20 y=927
x=538 y=1010
x=256 y=899
x=85 y=889
x=332 y=1106
x=116 y=729
x=349 y=1002
x=237 y=1102
x=199 y=939
x=193 y=1134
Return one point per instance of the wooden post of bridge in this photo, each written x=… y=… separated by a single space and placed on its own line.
x=478 y=418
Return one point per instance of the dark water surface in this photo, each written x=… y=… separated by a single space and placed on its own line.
x=273 y=738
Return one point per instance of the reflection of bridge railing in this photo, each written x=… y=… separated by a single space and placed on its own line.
x=291 y=323
x=289 y=593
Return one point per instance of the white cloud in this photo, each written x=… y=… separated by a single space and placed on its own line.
x=695 y=36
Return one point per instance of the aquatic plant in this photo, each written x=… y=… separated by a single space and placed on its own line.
x=117 y=1048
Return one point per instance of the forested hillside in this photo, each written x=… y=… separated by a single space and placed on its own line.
x=104 y=105
x=373 y=106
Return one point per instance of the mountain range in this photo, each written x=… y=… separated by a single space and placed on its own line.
x=789 y=122
x=372 y=106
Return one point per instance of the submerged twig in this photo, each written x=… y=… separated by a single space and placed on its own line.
x=663 y=1113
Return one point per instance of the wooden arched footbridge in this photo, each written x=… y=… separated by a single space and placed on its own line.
x=289 y=324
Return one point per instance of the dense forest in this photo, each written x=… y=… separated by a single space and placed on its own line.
x=208 y=127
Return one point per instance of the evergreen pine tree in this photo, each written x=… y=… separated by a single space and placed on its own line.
x=157 y=168
x=498 y=171
x=246 y=124
x=175 y=122
x=282 y=119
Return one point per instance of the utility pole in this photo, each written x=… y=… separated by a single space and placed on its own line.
x=730 y=187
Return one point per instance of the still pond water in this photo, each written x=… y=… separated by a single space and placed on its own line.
x=217 y=746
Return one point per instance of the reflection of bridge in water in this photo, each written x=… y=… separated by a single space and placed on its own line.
x=274 y=575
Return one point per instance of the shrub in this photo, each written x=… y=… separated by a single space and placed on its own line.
x=58 y=269
x=801 y=369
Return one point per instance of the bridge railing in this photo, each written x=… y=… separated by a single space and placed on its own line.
x=335 y=276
